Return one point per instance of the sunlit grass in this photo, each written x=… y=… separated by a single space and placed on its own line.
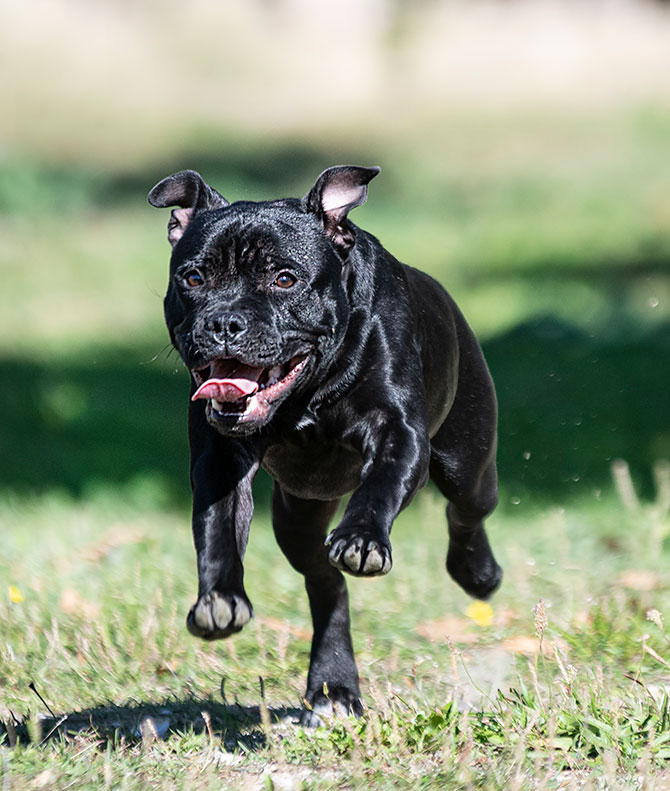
x=98 y=629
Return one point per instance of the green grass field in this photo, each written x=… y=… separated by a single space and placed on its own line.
x=562 y=270
x=452 y=700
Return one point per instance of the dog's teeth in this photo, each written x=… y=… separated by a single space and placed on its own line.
x=274 y=374
x=217 y=405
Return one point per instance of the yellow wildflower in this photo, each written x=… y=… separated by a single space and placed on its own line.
x=480 y=612
x=15 y=594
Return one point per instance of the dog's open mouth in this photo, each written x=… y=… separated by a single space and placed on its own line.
x=236 y=389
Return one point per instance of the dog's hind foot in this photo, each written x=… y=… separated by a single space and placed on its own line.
x=471 y=564
x=360 y=553
x=216 y=615
x=331 y=703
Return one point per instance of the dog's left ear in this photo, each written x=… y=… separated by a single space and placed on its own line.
x=337 y=191
x=188 y=190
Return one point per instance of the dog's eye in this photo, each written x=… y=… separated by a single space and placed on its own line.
x=193 y=278
x=285 y=280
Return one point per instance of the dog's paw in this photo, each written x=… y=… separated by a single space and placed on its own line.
x=474 y=568
x=327 y=705
x=358 y=553
x=216 y=615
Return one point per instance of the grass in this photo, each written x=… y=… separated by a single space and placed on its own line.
x=99 y=633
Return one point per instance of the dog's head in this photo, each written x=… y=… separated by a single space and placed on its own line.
x=257 y=305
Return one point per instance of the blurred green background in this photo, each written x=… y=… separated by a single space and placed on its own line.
x=525 y=154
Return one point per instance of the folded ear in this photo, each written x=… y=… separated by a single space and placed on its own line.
x=337 y=191
x=188 y=190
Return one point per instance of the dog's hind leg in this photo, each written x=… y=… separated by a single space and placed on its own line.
x=470 y=561
x=463 y=467
x=332 y=684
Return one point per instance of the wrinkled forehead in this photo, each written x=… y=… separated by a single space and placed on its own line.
x=280 y=230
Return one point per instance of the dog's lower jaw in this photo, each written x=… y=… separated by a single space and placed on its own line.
x=232 y=425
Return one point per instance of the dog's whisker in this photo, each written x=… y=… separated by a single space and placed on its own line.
x=158 y=354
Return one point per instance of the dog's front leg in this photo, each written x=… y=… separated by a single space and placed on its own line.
x=396 y=458
x=222 y=471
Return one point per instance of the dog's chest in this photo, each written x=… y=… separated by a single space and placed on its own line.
x=314 y=468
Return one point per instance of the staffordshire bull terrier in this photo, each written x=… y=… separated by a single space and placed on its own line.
x=315 y=353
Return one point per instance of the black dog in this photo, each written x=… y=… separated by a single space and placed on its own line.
x=317 y=354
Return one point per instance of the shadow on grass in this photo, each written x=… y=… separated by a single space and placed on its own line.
x=569 y=404
x=235 y=727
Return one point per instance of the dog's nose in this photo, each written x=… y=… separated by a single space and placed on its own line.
x=231 y=325
x=235 y=325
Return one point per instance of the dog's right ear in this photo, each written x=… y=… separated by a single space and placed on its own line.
x=188 y=190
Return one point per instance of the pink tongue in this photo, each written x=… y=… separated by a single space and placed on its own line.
x=225 y=389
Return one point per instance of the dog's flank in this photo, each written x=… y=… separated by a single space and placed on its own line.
x=315 y=353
